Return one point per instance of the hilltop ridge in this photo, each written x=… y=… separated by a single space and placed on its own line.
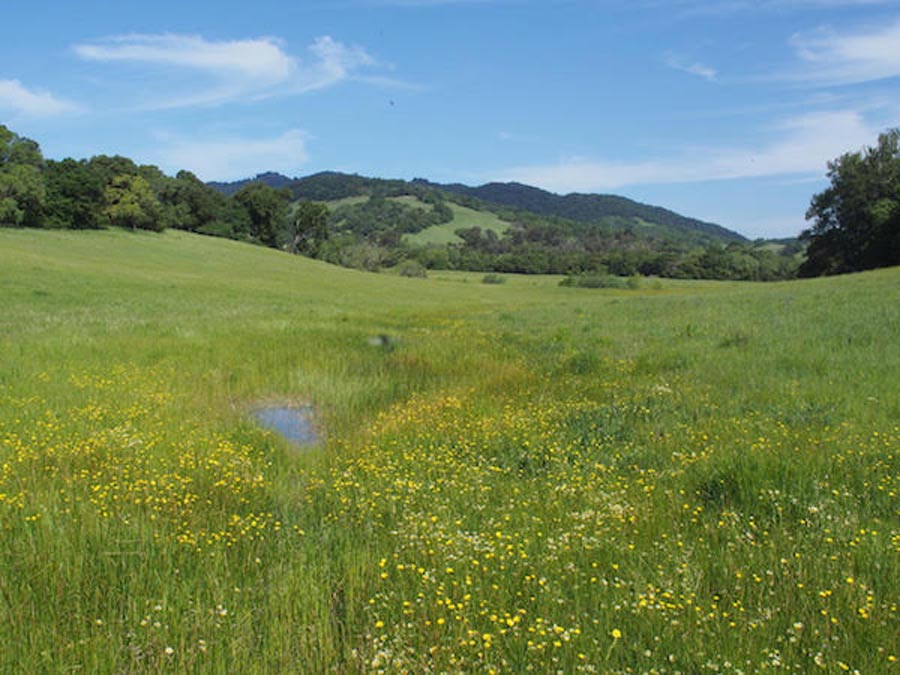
x=587 y=208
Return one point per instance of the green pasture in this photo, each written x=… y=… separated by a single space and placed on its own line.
x=518 y=477
x=335 y=204
x=463 y=218
x=411 y=200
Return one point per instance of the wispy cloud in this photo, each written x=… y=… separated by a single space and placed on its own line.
x=806 y=144
x=234 y=158
x=866 y=55
x=20 y=100
x=235 y=70
x=257 y=58
x=692 y=68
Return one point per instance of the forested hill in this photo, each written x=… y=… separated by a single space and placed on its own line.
x=377 y=223
x=272 y=179
x=607 y=210
x=586 y=208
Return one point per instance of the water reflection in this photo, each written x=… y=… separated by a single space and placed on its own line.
x=294 y=424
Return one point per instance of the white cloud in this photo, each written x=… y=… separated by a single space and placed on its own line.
x=696 y=68
x=235 y=158
x=807 y=143
x=16 y=97
x=259 y=58
x=862 y=56
x=234 y=70
x=334 y=62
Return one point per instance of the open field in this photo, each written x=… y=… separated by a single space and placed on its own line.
x=698 y=477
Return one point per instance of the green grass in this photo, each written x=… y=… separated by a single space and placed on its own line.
x=413 y=201
x=335 y=204
x=699 y=476
x=463 y=217
x=408 y=200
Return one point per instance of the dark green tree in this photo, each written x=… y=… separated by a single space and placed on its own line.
x=191 y=204
x=309 y=228
x=15 y=149
x=74 y=195
x=23 y=194
x=108 y=167
x=267 y=208
x=856 y=221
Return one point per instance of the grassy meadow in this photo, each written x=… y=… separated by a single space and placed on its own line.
x=693 y=477
x=463 y=218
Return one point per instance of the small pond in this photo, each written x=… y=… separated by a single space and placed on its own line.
x=296 y=425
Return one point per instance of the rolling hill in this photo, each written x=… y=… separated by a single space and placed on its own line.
x=589 y=208
x=515 y=200
x=373 y=223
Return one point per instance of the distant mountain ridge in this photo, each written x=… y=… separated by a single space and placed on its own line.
x=270 y=178
x=579 y=207
x=585 y=208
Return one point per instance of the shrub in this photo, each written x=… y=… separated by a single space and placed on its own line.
x=493 y=279
x=594 y=281
x=411 y=268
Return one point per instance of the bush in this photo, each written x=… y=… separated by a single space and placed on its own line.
x=493 y=279
x=411 y=268
x=594 y=281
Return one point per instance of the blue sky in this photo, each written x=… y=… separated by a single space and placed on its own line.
x=725 y=110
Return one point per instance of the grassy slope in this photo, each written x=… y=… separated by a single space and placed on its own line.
x=536 y=475
x=463 y=217
x=413 y=201
x=335 y=204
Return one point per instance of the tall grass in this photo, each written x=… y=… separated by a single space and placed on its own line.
x=702 y=476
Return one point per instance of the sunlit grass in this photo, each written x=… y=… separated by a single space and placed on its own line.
x=463 y=218
x=702 y=476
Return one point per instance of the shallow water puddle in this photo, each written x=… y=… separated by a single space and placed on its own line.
x=294 y=424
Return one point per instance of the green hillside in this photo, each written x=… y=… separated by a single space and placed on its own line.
x=463 y=218
x=597 y=209
x=513 y=200
x=514 y=477
x=380 y=223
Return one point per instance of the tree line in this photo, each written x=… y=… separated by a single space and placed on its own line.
x=108 y=191
x=368 y=233
x=855 y=221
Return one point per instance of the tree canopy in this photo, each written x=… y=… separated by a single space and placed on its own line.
x=267 y=208
x=856 y=221
x=130 y=202
x=110 y=190
x=309 y=228
x=23 y=194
